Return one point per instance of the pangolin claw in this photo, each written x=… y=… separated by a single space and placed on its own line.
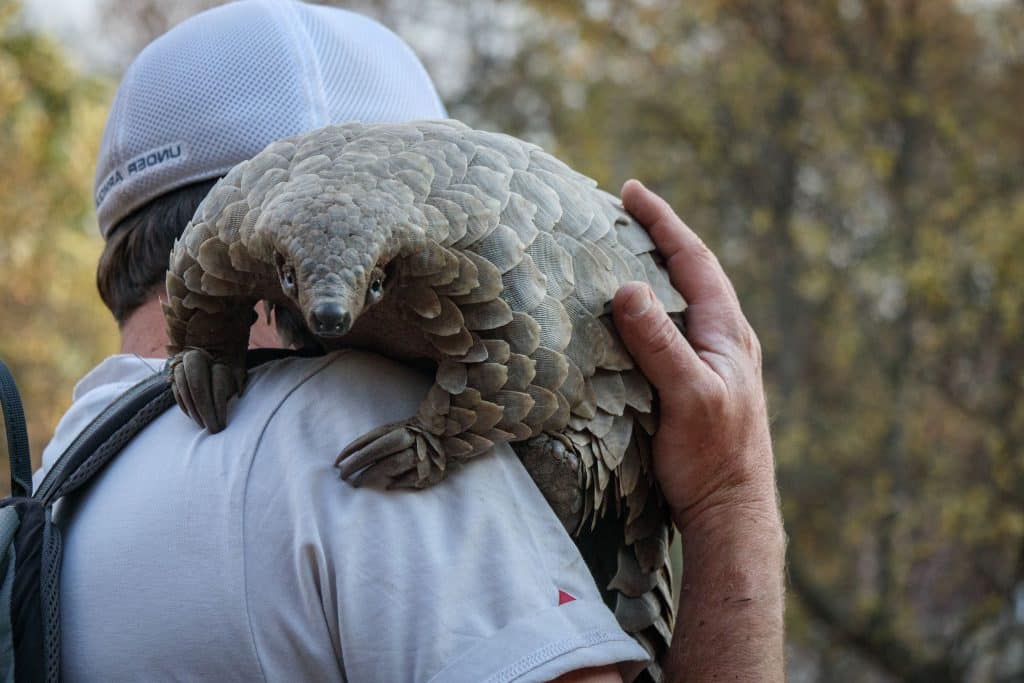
x=202 y=386
x=397 y=455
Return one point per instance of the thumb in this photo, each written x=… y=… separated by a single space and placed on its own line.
x=654 y=341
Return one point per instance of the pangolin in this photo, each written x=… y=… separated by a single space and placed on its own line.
x=487 y=257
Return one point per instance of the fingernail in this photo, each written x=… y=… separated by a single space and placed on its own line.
x=631 y=180
x=639 y=301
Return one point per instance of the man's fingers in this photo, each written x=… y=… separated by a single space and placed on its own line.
x=654 y=341
x=654 y=213
x=695 y=272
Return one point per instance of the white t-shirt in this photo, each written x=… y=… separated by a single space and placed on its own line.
x=243 y=556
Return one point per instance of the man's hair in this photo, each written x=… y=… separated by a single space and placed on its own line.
x=137 y=251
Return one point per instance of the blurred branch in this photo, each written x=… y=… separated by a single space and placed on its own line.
x=874 y=641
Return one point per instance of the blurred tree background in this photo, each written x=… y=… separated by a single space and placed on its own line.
x=53 y=327
x=856 y=164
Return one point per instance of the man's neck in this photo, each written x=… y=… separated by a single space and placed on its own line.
x=144 y=332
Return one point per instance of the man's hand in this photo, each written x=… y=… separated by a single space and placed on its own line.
x=712 y=449
x=712 y=456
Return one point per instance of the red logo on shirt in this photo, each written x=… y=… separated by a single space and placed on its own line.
x=564 y=597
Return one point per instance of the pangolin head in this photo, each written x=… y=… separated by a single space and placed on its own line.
x=331 y=249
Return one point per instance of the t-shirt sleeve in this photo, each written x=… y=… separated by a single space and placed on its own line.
x=473 y=579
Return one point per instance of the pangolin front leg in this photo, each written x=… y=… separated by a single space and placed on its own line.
x=415 y=453
x=476 y=402
x=208 y=339
x=393 y=453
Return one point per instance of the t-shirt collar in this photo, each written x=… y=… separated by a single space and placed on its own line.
x=122 y=368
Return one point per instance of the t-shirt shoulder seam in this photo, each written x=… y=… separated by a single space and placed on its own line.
x=320 y=367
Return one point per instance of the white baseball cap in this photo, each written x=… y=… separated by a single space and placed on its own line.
x=222 y=85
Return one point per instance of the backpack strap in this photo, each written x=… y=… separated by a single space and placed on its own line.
x=119 y=418
x=17 y=435
x=105 y=436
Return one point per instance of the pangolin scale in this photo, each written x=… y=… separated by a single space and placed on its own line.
x=473 y=250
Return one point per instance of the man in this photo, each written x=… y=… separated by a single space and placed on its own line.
x=240 y=555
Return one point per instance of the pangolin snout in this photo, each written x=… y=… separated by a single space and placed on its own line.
x=330 y=320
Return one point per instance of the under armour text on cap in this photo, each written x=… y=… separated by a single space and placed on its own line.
x=222 y=85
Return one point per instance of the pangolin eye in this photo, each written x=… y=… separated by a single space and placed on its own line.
x=375 y=291
x=288 y=280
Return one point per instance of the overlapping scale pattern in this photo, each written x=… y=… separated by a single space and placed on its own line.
x=502 y=264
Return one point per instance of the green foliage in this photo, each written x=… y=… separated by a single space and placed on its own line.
x=54 y=326
x=856 y=164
